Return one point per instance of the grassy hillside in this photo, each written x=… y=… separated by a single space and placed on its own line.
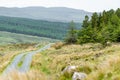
x=18 y=43
x=97 y=62
x=11 y=38
x=56 y=30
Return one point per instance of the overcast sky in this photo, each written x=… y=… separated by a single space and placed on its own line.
x=88 y=5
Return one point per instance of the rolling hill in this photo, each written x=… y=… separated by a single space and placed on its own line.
x=13 y=38
x=59 y=14
x=55 y=30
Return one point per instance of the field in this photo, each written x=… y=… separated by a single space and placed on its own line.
x=97 y=62
x=13 y=38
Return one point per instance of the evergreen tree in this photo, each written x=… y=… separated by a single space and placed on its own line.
x=72 y=35
x=104 y=15
x=115 y=20
x=110 y=13
x=100 y=22
x=85 y=22
x=118 y=12
x=100 y=29
x=94 y=20
x=86 y=35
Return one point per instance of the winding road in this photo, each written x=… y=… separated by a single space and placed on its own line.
x=26 y=59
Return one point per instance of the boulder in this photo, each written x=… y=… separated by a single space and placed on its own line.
x=69 y=69
x=79 y=76
x=108 y=43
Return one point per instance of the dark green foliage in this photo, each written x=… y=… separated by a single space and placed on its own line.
x=72 y=36
x=101 y=28
x=104 y=27
x=86 y=22
x=86 y=35
x=94 y=20
x=115 y=21
x=55 y=30
x=118 y=12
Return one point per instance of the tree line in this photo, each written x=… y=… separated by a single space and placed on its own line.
x=100 y=28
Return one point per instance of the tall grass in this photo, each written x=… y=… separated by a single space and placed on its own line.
x=97 y=62
x=10 y=51
x=15 y=75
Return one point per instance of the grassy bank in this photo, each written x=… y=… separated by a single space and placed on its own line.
x=97 y=62
x=8 y=52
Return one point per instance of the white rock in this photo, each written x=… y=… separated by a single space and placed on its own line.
x=69 y=69
x=79 y=76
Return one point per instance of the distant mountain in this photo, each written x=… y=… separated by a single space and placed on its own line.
x=60 y=14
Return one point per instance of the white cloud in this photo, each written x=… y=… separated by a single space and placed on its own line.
x=89 y=5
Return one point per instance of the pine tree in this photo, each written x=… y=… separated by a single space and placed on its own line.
x=85 y=22
x=104 y=15
x=115 y=20
x=118 y=12
x=94 y=20
x=100 y=22
x=72 y=36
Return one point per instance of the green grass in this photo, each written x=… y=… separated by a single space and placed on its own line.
x=9 y=51
x=97 y=62
x=21 y=61
x=12 y=38
x=12 y=58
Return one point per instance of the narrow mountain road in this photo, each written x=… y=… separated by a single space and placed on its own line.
x=26 y=59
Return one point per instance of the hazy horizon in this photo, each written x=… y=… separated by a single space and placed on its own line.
x=87 y=5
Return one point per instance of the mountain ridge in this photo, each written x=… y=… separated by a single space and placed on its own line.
x=58 y=14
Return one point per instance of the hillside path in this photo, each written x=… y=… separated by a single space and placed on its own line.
x=26 y=59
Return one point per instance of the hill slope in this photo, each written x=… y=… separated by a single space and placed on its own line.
x=97 y=62
x=61 y=14
x=56 y=30
x=10 y=38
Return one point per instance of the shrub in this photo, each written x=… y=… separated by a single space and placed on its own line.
x=58 y=45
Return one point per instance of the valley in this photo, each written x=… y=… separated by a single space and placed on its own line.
x=59 y=41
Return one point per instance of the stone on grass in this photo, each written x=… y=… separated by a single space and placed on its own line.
x=69 y=69
x=79 y=76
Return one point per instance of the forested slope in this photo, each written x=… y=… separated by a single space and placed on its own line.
x=56 y=30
